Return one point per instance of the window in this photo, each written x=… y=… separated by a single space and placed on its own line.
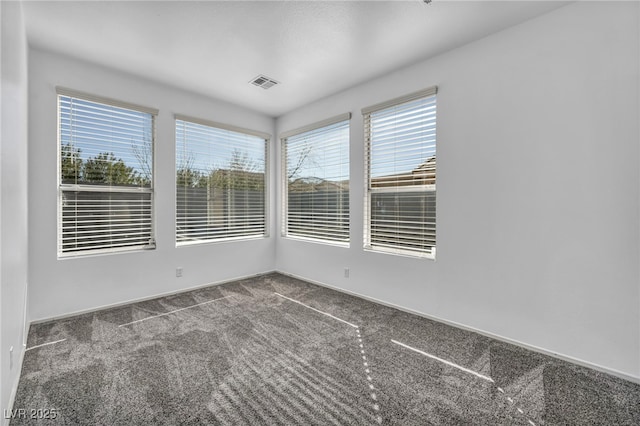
x=220 y=182
x=105 y=175
x=400 y=205
x=316 y=185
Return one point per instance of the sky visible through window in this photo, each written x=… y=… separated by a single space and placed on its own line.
x=100 y=129
x=403 y=137
x=93 y=133
x=204 y=149
x=312 y=155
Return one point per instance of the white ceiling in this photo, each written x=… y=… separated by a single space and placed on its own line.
x=313 y=48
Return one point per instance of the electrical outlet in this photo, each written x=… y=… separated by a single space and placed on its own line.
x=346 y=272
x=179 y=271
x=11 y=358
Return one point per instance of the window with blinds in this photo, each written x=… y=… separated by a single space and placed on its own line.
x=105 y=175
x=400 y=205
x=221 y=186
x=316 y=181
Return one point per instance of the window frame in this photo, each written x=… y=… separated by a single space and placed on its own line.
x=66 y=187
x=266 y=137
x=370 y=191
x=284 y=137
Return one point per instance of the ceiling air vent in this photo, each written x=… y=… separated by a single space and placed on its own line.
x=264 y=82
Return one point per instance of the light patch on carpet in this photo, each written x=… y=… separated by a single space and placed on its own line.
x=466 y=370
x=173 y=312
x=45 y=344
x=317 y=310
x=444 y=361
x=374 y=397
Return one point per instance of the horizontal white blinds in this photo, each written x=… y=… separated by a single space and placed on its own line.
x=105 y=220
x=223 y=126
x=401 y=176
x=71 y=93
x=430 y=91
x=317 y=182
x=220 y=183
x=105 y=175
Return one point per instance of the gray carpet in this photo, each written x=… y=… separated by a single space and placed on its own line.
x=276 y=350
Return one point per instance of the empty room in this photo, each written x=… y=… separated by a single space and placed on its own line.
x=225 y=212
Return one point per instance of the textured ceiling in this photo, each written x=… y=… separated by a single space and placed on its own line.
x=314 y=49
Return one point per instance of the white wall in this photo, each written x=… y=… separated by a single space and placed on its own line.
x=60 y=287
x=538 y=184
x=13 y=197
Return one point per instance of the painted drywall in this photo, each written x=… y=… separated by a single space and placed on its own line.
x=63 y=286
x=13 y=198
x=537 y=188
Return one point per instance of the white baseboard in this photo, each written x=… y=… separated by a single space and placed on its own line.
x=583 y=363
x=23 y=347
x=16 y=382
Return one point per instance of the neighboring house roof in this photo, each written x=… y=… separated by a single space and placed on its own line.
x=424 y=174
x=314 y=184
